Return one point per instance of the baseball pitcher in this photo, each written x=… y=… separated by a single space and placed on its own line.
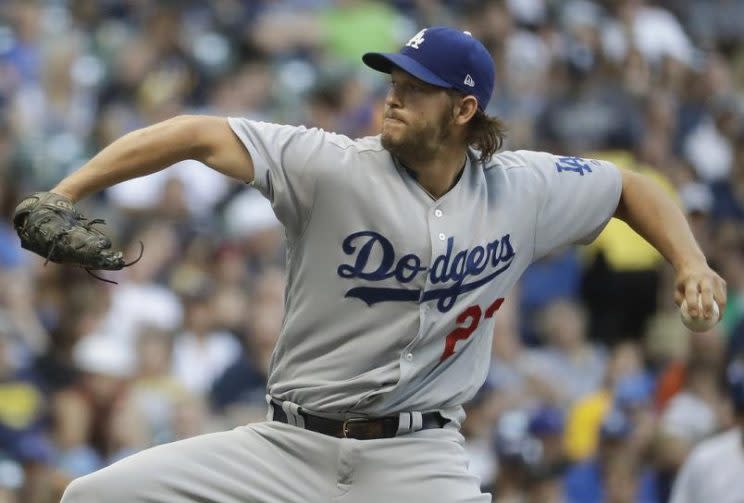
x=401 y=249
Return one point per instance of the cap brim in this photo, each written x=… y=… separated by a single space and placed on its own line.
x=384 y=62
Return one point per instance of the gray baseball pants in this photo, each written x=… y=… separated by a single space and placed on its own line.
x=273 y=462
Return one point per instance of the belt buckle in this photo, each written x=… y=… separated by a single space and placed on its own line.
x=351 y=420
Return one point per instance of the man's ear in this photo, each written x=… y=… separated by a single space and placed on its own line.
x=466 y=109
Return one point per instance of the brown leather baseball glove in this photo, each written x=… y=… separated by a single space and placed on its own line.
x=49 y=225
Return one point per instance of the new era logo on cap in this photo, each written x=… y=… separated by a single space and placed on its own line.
x=443 y=57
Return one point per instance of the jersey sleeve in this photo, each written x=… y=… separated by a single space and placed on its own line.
x=286 y=160
x=579 y=197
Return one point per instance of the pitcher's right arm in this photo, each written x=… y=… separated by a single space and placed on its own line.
x=209 y=140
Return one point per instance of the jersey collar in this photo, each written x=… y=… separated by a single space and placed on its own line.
x=414 y=176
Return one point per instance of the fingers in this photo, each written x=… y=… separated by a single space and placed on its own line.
x=706 y=296
x=700 y=291
x=691 y=296
x=719 y=293
x=679 y=295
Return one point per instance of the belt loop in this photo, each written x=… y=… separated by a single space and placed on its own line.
x=293 y=414
x=417 y=421
x=404 y=423
x=270 y=411
x=290 y=416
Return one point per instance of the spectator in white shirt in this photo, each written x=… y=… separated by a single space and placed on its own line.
x=201 y=353
x=714 y=471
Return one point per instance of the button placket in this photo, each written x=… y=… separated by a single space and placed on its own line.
x=439 y=245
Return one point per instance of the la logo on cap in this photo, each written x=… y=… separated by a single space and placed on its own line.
x=416 y=40
x=469 y=81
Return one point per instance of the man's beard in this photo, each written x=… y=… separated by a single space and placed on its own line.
x=420 y=143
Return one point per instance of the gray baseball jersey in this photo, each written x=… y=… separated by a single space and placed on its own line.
x=391 y=294
x=390 y=302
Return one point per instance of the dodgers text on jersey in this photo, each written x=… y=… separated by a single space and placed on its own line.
x=465 y=270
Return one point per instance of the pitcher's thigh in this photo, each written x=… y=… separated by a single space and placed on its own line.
x=251 y=464
x=428 y=466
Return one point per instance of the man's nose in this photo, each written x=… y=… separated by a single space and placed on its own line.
x=393 y=99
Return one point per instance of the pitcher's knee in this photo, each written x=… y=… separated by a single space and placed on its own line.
x=82 y=490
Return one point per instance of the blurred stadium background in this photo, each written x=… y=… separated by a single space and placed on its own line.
x=597 y=392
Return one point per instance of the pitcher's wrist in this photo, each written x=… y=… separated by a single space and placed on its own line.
x=67 y=192
x=689 y=260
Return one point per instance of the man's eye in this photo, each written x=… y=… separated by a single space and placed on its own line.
x=406 y=88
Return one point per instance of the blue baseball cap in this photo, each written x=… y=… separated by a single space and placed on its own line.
x=547 y=420
x=443 y=57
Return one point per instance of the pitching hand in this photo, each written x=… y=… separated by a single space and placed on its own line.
x=699 y=280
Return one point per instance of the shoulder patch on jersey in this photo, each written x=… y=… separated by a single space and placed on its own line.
x=575 y=164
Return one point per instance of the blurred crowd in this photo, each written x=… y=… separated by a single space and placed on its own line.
x=597 y=392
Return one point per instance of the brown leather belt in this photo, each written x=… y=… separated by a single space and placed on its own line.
x=360 y=428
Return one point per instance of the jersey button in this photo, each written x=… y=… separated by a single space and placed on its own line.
x=437 y=213
x=409 y=357
x=442 y=237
